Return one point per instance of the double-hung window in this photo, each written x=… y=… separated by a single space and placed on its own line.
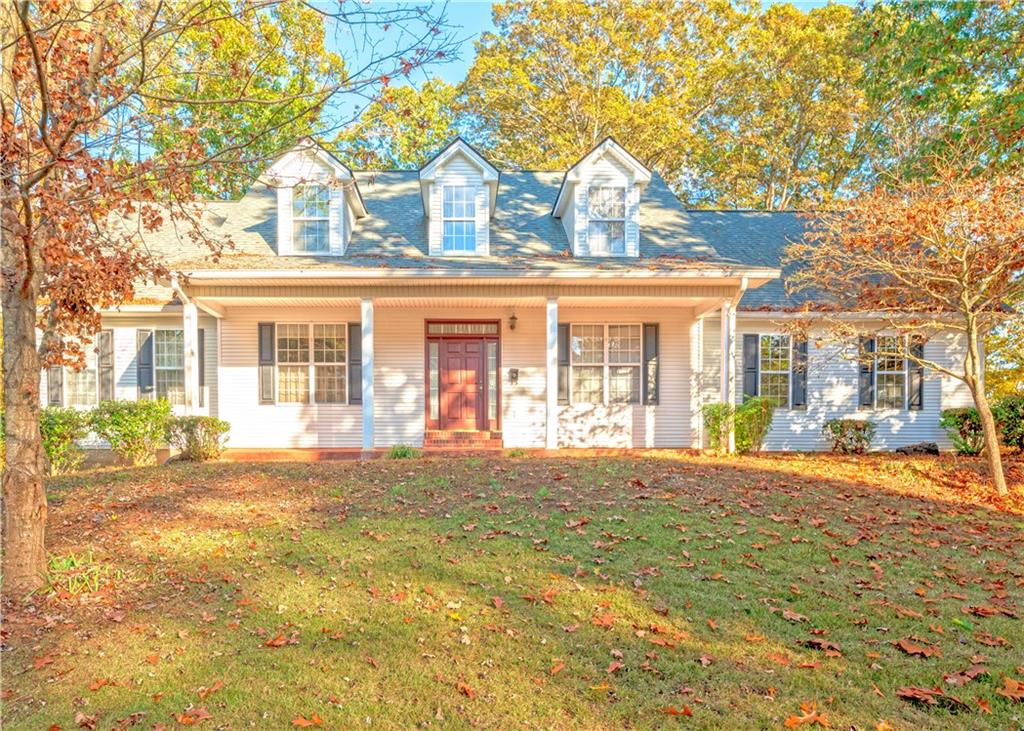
x=311 y=219
x=775 y=356
x=81 y=388
x=458 y=218
x=890 y=373
x=606 y=216
x=311 y=363
x=169 y=365
x=605 y=364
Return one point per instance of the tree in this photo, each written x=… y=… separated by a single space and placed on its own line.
x=402 y=129
x=82 y=83
x=1004 y=354
x=923 y=255
x=557 y=78
x=795 y=124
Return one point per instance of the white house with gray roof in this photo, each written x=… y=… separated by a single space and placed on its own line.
x=462 y=305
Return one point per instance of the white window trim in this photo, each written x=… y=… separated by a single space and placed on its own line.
x=876 y=371
x=593 y=219
x=606 y=365
x=156 y=392
x=466 y=219
x=789 y=373
x=294 y=219
x=93 y=354
x=311 y=365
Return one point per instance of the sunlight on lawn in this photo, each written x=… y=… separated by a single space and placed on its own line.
x=554 y=593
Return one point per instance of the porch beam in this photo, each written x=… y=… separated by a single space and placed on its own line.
x=366 y=331
x=190 y=333
x=551 y=353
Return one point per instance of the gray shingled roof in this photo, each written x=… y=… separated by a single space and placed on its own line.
x=524 y=235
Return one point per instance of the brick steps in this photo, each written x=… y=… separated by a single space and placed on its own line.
x=460 y=440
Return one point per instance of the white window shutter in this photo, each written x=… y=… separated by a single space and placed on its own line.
x=582 y=220
x=284 y=221
x=633 y=221
x=336 y=218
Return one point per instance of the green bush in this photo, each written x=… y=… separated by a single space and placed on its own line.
x=753 y=421
x=718 y=420
x=134 y=429
x=963 y=426
x=61 y=428
x=402 y=451
x=849 y=436
x=198 y=438
x=1009 y=413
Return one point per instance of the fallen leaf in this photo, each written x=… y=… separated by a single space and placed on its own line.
x=810 y=717
x=303 y=722
x=912 y=648
x=466 y=690
x=193 y=716
x=962 y=677
x=673 y=711
x=1012 y=689
x=204 y=691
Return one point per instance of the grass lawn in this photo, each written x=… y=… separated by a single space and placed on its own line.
x=603 y=592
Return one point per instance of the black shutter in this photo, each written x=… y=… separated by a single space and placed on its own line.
x=144 y=363
x=866 y=387
x=105 y=364
x=650 y=374
x=266 y=362
x=563 y=363
x=915 y=376
x=751 y=365
x=54 y=385
x=355 y=363
x=799 y=374
x=201 y=357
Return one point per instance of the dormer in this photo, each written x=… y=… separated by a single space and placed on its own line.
x=599 y=202
x=318 y=201
x=459 y=190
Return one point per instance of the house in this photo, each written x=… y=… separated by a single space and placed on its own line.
x=461 y=304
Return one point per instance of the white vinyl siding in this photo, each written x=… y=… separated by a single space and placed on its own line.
x=668 y=423
x=313 y=216
x=832 y=387
x=255 y=425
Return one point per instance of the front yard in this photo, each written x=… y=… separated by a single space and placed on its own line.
x=760 y=592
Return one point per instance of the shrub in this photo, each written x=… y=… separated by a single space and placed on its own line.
x=402 y=451
x=964 y=427
x=753 y=421
x=198 y=438
x=718 y=419
x=134 y=429
x=849 y=436
x=1009 y=413
x=61 y=428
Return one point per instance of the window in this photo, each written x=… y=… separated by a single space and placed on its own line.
x=312 y=359
x=890 y=373
x=775 y=359
x=311 y=219
x=169 y=365
x=80 y=387
x=606 y=214
x=605 y=359
x=458 y=218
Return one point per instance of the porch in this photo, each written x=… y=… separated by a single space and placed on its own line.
x=480 y=365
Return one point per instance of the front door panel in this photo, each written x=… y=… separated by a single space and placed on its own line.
x=462 y=379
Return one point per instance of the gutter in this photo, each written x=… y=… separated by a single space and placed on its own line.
x=459 y=275
x=180 y=293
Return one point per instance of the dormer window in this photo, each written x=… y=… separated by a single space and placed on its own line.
x=459 y=218
x=606 y=213
x=311 y=219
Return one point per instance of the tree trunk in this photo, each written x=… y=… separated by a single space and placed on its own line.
x=975 y=378
x=24 y=495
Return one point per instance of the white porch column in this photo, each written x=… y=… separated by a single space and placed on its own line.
x=551 y=432
x=729 y=363
x=366 y=320
x=190 y=330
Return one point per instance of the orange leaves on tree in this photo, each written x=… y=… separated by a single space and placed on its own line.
x=809 y=717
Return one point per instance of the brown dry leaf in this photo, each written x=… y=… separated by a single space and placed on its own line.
x=790 y=615
x=193 y=716
x=810 y=717
x=466 y=690
x=910 y=647
x=84 y=721
x=604 y=620
x=673 y=711
x=934 y=697
x=303 y=722
x=98 y=683
x=1012 y=689
x=962 y=677
x=557 y=666
x=204 y=691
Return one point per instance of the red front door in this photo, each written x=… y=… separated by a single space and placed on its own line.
x=462 y=383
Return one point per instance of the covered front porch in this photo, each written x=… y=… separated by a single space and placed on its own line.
x=537 y=364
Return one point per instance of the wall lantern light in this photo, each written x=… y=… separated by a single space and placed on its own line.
x=512 y=321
